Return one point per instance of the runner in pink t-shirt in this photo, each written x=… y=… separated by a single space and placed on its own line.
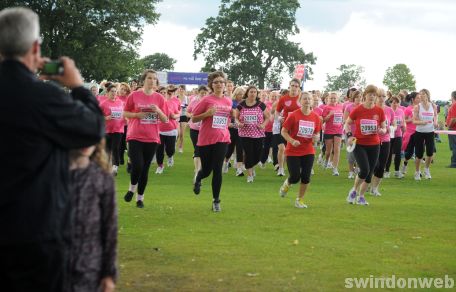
x=356 y=101
x=333 y=119
x=112 y=109
x=195 y=127
x=384 y=143
x=144 y=109
x=168 y=130
x=408 y=140
x=396 y=142
x=124 y=92
x=215 y=113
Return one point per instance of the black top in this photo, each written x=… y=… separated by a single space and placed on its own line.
x=40 y=123
x=243 y=104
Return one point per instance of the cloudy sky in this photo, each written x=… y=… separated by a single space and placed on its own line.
x=373 y=34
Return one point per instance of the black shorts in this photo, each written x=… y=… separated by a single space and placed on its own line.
x=183 y=119
x=278 y=139
x=331 y=136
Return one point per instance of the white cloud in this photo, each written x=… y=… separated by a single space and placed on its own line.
x=174 y=40
x=365 y=41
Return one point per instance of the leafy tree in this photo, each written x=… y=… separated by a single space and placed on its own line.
x=348 y=76
x=158 y=62
x=399 y=77
x=249 y=39
x=102 y=36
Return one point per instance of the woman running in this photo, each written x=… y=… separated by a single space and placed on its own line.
x=333 y=119
x=144 y=109
x=370 y=122
x=183 y=119
x=124 y=92
x=301 y=129
x=214 y=111
x=195 y=127
x=384 y=142
x=112 y=109
x=251 y=118
x=408 y=141
x=168 y=130
x=356 y=101
x=396 y=142
x=425 y=118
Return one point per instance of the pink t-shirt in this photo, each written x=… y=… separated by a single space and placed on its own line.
x=335 y=124
x=101 y=98
x=214 y=129
x=173 y=108
x=399 y=117
x=349 y=109
x=113 y=108
x=123 y=98
x=318 y=111
x=347 y=103
x=268 y=127
x=410 y=126
x=194 y=101
x=251 y=117
x=389 y=117
x=146 y=129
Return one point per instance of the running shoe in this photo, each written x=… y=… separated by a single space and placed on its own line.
x=269 y=159
x=404 y=169
x=197 y=187
x=351 y=198
x=335 y=172
x=299 y=203
x=225 y=167
x=181 y=150
x=239 y=172
x=159 y=170
x=427 y=173
x=276 y=167
x=376 y=193
x=329 y=165
x=261 y=165
x=351 y=175
x=140 y=204
x=128 y=196
x=398 y=174
x=170 y=161
x=216 y=206
x=386 y=174
x=312 y=172
x=250 y=179
x=417 y=175
x=284 y=188
x=362 y=201
x=281 y=172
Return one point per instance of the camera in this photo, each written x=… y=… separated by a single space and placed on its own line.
x=52 y=68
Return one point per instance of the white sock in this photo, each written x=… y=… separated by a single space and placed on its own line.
x=132 y=188
x=114 y=168
x=139 y=197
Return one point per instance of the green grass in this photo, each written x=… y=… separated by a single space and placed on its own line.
x=260 y=242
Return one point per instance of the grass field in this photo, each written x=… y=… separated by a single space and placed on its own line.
x=261 y=242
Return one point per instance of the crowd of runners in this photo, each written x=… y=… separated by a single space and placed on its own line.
x=244 y=127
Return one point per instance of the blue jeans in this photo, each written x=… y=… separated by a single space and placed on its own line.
x=452 y=142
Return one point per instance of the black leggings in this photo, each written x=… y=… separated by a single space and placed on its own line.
x=300 y=167
x=123 y=145
x=410 y=149
x=267 y=144
x=113 y=146
x=382 y=158
x=194 y=138
x=395 y=148
x=212 y=161
x=168 y=144
x=235 y=142
x=366 y=158
x=420 y=140
x=252 y=149
x=141 y=155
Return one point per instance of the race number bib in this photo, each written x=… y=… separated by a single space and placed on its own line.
x=151 y=118
x=116 y=114
x=306 y=129
x=219 y=122
x=427 y=117
x=251 y=119
x=368 y=127
x=337 y=119
x=398 y=121
x=276 y=128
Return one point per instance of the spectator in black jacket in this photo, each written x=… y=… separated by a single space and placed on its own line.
x=40 y=123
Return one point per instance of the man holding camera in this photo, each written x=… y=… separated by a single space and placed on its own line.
x=40 y=123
